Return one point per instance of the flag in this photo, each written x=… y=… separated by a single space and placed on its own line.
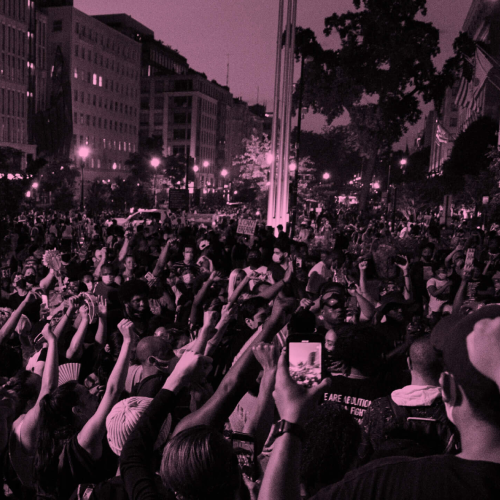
x=463 y=90
x=482 y=68
x=441 y=134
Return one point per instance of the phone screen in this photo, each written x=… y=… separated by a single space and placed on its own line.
x=305 y=360
x=244 y=448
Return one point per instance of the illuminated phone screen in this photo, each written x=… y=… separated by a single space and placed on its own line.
x=245 y=452
x=304 y=360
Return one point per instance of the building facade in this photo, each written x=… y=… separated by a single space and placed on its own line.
x=100 y=76
x=17 y=75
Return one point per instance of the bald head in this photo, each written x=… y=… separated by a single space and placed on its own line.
x=157 y=347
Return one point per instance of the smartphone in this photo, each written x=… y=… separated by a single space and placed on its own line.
x=244 y=447
x=45 y=300
x=305 y=358
x=298 y=262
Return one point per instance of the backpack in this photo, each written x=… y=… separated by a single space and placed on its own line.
x=432 y=435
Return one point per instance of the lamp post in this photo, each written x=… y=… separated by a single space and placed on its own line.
x=326 y=176
x=83 y=153
x=155 y=162
x=224 y=173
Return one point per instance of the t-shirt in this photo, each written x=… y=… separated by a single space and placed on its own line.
x=435 y=303
x=354 y=394
x=441 y=477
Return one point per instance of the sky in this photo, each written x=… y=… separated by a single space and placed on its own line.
x=211 y=32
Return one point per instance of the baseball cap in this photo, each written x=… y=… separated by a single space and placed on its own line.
x=449 y=337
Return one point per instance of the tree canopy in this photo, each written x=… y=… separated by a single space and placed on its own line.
x=384 y=64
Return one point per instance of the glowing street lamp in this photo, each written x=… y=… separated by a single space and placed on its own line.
x=224 y=173
x=83 y=153
x=403 y=162
x=155 y=162
x=196 y=169
x=326 y=176
x=35 y=185
x=292 y=167
x=206 y=163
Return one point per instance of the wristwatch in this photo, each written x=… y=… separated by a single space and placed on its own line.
x=283 y=426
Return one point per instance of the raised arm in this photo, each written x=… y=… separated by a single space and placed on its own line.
x=10 y=325
x=124 y=249
x=261 y=420
x=294 y=402
x=238 y=379
x=97 y=271
x=407 y=292
x=363 y=289
x=162 y=259
x=91 y=436
x=49 y=383
x=75 y=349
x=101 y=335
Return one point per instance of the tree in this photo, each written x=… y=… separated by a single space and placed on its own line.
x=98 y=198
x=384 y=64
x=57 y=177
x=470 y=150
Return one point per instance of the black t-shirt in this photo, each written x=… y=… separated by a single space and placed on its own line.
x=442 y=477
x=355 y=394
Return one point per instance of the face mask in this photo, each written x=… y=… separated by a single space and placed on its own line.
x=30 y=279
x=107 y=280
x=188 y=278
x=277 y=258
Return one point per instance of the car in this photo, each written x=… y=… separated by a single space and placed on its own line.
x=142 y=216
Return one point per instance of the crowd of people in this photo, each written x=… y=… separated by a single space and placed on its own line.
x=151 y=361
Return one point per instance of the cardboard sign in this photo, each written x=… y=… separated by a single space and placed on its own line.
x=5 y=272
x=246 y=226
x=178 y=199
x=469 y=259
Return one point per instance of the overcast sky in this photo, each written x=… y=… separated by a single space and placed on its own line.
x=206 y=31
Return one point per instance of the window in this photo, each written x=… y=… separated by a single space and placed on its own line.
x=77 y=28
x=159 y=86
x=99 y=122
x=159 y=101
x=93 y=121
x=76 y=95
x=453 y=122
x=179 y=133
x=94 y=100
x=88 y=77
x=75 y=117
x=100 y=81
x=75 y=73
x=94 y=79
x=83 y=52
x=76 y=50
x=82 y=122
x=88 y=120
x=57 y=25
x=180 y=118
x=100 y=101
x=183 y=101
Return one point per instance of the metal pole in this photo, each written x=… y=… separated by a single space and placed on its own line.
x=297 y=151
x=271 y=207
x=82 y=163
x=154 y=189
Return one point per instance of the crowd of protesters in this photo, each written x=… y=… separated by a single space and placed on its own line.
x=150 y=362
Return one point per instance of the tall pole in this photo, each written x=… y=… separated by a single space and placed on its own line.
x=271 y=208
x=279 y=179
x=295 y=184
x=82 y=163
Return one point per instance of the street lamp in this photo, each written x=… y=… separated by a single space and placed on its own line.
x=83 y=153
x=154 y=163
x=206 y=163
x=196 y=169
x=224 y=173
x=326 y=176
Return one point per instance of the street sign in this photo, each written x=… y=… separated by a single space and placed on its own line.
x=246 y=226
x=178 y=199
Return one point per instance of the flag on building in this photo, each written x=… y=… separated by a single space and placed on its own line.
x=442 y=135
x=482 y=68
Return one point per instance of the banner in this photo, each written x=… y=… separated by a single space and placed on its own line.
x=246 y=226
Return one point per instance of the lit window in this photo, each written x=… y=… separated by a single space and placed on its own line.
x=94 y=79
x=100 y=81
x=75 y=74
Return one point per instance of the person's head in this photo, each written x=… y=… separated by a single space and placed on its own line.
x=494 y=245
x=188 y=276
x=188 y=254
x=51 y=240
x=427 y=252
x=440 y=272
x=26 y=386
x=359 y=347
x=130 y=263
x=6 y=284
x=254 y=312
x=235 y=278
x=198 y=463
x=134 y=297
x=122 y=419
x=154 y=353
x=107 y=274
x=176 y=337
x=281 y=251
x=424 y=361
x=254 y=259
x=330 y=339
x=333 y=306
x=88 y=281
x=63 y=413
x=496 y=280
x=470 y=397
x=327 y=258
